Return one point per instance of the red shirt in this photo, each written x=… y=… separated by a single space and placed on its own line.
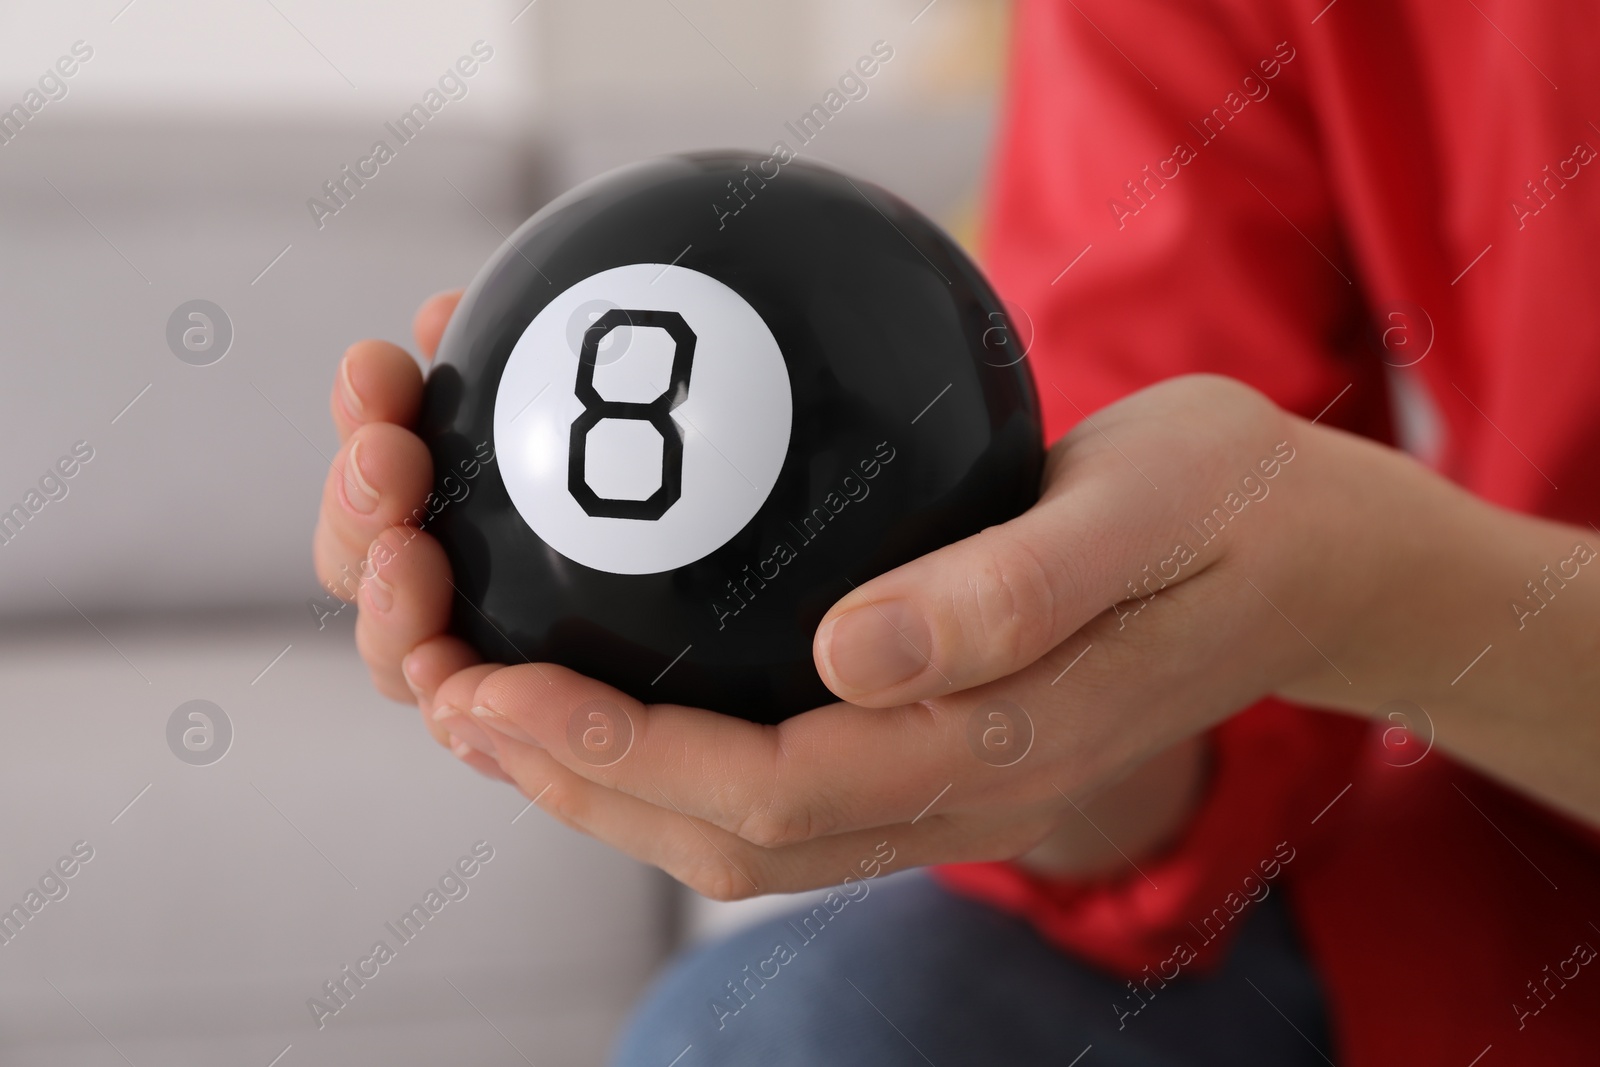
x=1301 y=196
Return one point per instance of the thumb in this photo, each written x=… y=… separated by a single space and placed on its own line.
x=990 y=605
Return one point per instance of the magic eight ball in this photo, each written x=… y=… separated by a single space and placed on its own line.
x=692 y=403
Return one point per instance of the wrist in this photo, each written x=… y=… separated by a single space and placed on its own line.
x=1392 y=559
x=1485 y=619
x=1133 y=818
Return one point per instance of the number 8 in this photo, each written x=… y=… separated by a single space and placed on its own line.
x=657 y=413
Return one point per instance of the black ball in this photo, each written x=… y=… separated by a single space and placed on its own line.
x=692 y=403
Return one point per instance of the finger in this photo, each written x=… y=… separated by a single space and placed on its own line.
x=404 y=602
x=426 y=667
x=376 y=382
x=722 y=866
x=835 y=769
x=843 y=769
x=449 y=715
x=380 y=478
x=431 y=319
x=988 y=606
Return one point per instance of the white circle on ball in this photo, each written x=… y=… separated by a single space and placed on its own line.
x=733 y=418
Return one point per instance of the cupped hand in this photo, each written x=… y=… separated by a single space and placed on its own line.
x=1159 y=585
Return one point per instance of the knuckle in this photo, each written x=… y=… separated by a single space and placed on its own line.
x=717 y=879
x=776 y=825
x=1222 y=387
x=1014 y=601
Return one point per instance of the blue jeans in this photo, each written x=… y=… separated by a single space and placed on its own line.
x=912 y=974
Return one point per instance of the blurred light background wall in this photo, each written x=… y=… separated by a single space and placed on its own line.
x=175 y=163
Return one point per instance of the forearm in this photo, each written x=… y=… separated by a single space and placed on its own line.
x=1486 y=619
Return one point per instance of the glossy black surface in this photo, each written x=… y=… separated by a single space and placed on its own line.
x=895 y=345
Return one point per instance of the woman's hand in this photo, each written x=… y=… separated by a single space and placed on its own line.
x=1158 y=586
x=1195 y=548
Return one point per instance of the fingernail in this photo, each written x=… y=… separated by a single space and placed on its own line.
x=380 y=594
x=347 y=391
x=873 y=647
x=463 y=728
x=460 y=748
x=357 y=490
x=500 y=724
x=408 y=667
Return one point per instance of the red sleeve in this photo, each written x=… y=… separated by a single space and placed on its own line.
x=1147 y=230
x=1160 y=208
